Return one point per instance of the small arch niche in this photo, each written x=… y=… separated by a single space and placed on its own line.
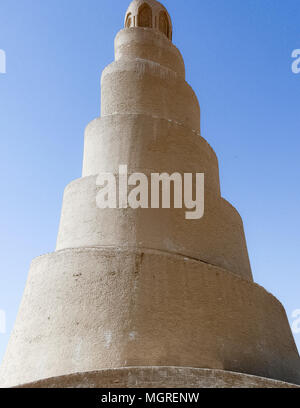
x=145 y=16
x=164 y=25
x=128 y=22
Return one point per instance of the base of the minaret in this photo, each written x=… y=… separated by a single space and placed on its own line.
x=88 y=309
x=159 y=377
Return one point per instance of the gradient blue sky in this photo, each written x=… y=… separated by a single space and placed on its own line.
x=238 y=60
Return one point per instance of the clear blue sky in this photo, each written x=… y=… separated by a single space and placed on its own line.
x=238 y=59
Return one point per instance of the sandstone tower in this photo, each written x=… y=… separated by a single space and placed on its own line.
x=144 y=297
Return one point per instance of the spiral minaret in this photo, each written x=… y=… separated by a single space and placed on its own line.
x=136 y=297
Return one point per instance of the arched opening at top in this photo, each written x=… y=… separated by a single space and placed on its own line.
x=128 y=22
x=145 y=16
x=164 y=26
